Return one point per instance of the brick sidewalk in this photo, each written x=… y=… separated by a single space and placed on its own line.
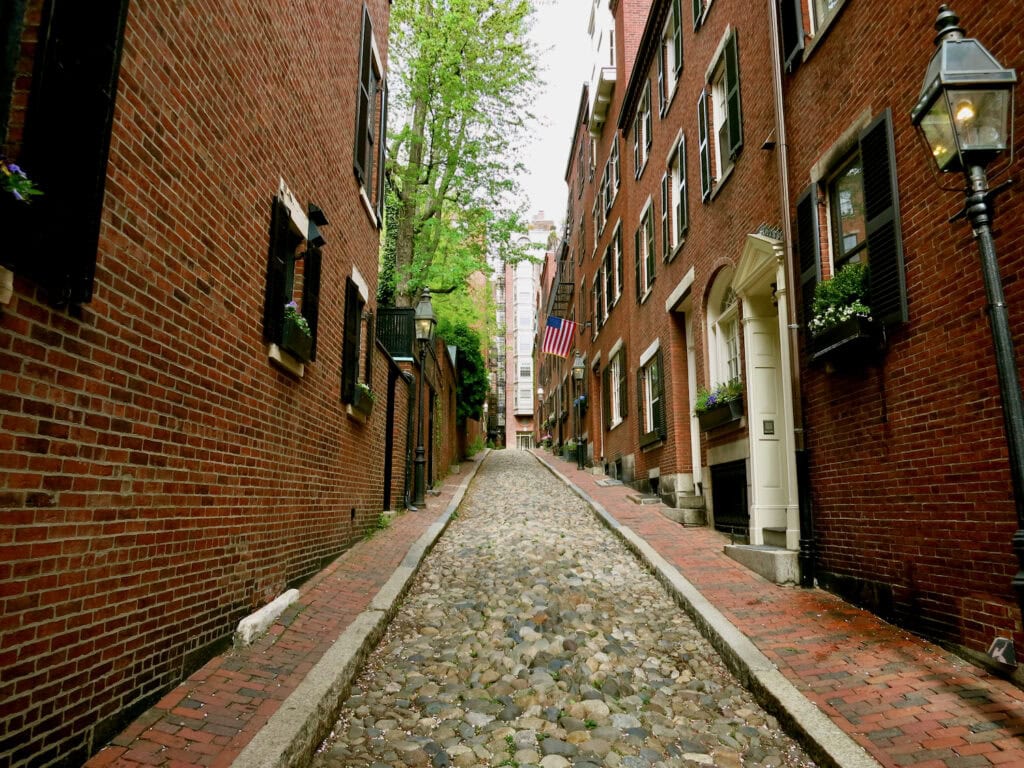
x=906 y=701
x=210 y=718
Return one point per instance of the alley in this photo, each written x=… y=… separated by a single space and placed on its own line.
x=532 y=636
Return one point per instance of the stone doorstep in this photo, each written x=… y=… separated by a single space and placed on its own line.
x=778 y=565
x=644 y=498
x=686 y=516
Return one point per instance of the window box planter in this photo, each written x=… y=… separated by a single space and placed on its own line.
x=720 y=415
x=295 y=341
x=362 y=403
x=854 y=339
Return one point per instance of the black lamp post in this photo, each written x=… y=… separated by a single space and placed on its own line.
x=540 y=416
x=579 y=368
x=425 y=322
x=965 y=114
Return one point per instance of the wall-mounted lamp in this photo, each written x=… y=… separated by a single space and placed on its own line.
x=317 y=219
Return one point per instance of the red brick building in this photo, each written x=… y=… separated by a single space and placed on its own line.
x=176 y=448
x=735 y=156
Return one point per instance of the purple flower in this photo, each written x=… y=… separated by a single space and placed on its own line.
x=15 y=169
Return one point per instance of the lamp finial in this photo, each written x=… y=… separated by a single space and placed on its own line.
x=947 y=25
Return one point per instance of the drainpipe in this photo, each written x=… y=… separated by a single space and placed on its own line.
x=411 y=401
x=792 y=278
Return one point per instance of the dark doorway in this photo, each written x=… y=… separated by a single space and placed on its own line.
x=729 y=499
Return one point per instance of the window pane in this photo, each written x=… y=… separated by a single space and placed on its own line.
x=846 y=195
x=822 y=10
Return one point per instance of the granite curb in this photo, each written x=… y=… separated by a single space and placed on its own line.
x=293 y=732
x=822 y=738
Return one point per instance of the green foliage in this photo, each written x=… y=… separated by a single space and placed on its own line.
x=463 y=77
x=471 y=374
x=475 y=446
x=726 y=392
x=840 y=298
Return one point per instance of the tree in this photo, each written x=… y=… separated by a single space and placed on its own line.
x=472 y=382
x=462 y=77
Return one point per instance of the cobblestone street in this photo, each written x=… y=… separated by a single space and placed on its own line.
x=533 y=637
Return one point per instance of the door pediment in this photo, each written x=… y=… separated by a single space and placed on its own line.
x=759 y=267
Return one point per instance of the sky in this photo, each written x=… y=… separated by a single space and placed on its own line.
x=560 y=33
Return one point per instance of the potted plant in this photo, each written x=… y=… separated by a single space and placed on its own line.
x=720 y=405
x=296 y=336
x=569 y=450
x=841 y=321
x=363 y=399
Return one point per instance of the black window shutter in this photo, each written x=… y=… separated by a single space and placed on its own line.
x=350 y=341
x=732 y=86
x=698 y=8
x=606 y=395
x=658 y=387
x=640 y=402
x=808 y=245
x=664 y=216
x=792 y=22
x=609 y=279
x=661 y=80
x=615 y=162
x=279 y=266
x=77 y=67
x=649 y=233
x=682 y=209
x=885 y=240
x=677 y=36
x=623 y=383
x=619 y=277
x=363 y=100
x=370 y=345
x=705 y=148
x=648 y=124
x=636 y=146
x=636 y=250
x=311 y=292
x=382 y=147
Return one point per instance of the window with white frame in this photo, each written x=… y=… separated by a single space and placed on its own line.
x=600 y=310
x=651 y=389
x=670 y=57
x=643 y=242
x=371 y=121
x=613 y=387
x=720 y=117
x=723 y=331
x=674 y=213
x=642 y=131
x=617 y=259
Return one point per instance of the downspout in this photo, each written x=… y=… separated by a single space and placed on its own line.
x=411 y=400
x=792 y=278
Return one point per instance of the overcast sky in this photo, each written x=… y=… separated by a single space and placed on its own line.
x=560 y=32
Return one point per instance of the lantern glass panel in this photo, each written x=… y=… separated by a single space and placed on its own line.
x=938 y=131
x=981 y=118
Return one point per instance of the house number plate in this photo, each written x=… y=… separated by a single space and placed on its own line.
x=769 y=427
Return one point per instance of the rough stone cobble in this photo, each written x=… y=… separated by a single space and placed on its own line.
x=531 y=637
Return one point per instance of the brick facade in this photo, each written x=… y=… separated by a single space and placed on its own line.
x=907 y=475
x=160 y=476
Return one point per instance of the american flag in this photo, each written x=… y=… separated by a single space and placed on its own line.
x=558 y=336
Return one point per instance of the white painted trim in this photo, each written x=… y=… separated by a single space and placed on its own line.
x=679 y=292
x=358 y=279
x=298 y=216
x=649 y=352
x=615 y=349
x=719 y=53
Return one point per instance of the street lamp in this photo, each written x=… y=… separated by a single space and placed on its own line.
x=579 y=368
x=965 y=115
x=424 y=321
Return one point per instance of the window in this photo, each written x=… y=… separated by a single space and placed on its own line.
x=614 y=388
x=644 y=249
x=674 y=214
x=592 y=160
x=371 y=121
x=822 y=11
x=670 y=58
x=77 y=69
x=861 y=202
x=617 y=259
x=600 y=311
x=357 y=343
x=699 y=9
x=596 y=222
x=723 y=331
x=292 y=277
x=642 y=131
x=720 y=118
x=581 y=246
x=651 y=397
x=579 y=168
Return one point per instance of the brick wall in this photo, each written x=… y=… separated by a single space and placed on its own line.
x=160 y=477
x=911 y=490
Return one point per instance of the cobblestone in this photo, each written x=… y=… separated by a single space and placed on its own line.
x=532 y=637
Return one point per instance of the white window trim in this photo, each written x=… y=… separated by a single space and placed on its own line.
x=647 y=210
x=650 y=352
x=615 y=363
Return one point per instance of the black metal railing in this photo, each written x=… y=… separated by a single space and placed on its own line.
x=396 y=330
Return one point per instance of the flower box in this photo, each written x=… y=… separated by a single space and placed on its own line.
x=720 y=415
x=362 y=402
x=295 y=341
x=851 y=340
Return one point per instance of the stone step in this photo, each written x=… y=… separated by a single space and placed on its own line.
x=684 y=516
x=778 y=565
x=689 y=502
x=644 y=498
